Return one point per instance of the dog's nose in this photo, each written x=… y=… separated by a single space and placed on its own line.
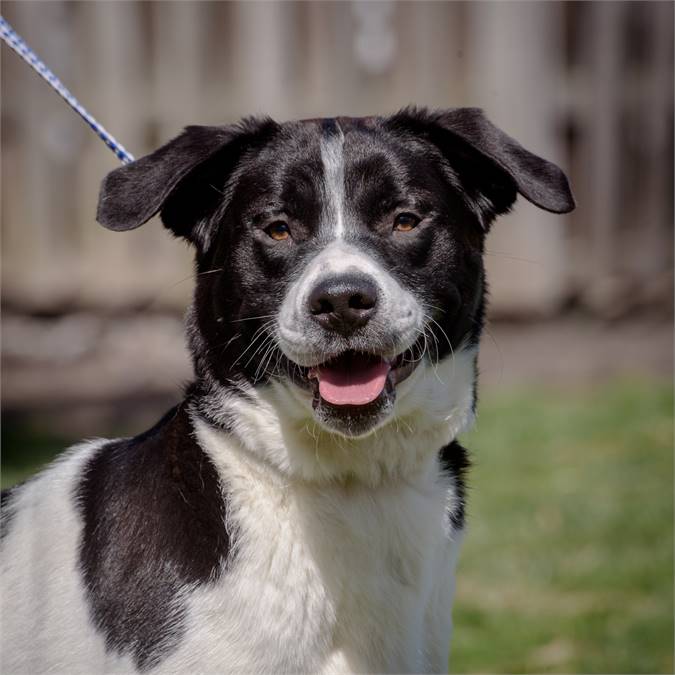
x=343 y=303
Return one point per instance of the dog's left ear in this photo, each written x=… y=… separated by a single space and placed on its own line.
x=492 y=166
x=183 y=179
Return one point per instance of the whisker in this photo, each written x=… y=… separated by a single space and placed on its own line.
x=435 y=361
x=223 y=345
x=264 y=361
x=501 y=254
x=162 y=293
x=251 y=318
x=256 y=336
x=277 y=362
x=230 y=341
x=262 y=347
x=445 y=335
x=440 y=309
x=201 y=274
x=431 y=318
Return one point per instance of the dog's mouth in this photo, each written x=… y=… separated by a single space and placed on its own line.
x=354 y=379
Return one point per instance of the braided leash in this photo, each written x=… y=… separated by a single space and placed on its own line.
x=11 y=38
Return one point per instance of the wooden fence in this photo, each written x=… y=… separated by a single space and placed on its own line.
x=589 y=85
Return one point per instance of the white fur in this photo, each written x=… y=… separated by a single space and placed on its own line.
x=332 y=157
x=339 y=577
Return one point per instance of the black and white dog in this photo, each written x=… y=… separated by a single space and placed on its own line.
x=302 y=508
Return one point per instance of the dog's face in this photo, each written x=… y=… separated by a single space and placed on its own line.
x=337 y=256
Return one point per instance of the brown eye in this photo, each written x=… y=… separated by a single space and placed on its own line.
x=279 y=230
x=405 y=222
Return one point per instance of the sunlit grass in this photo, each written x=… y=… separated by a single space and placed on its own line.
x=568 y=561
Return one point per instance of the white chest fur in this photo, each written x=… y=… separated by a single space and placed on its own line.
x=346 y=578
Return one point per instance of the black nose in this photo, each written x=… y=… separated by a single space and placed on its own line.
x=343 y=303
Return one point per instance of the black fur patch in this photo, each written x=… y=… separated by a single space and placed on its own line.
x=455 y=462
x=154 y=524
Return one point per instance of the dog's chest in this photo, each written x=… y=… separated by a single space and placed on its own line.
x=338 y=578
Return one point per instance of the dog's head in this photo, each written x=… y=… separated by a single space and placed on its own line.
x=338 y=258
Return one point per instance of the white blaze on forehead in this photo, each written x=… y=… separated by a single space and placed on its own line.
x=332 y=156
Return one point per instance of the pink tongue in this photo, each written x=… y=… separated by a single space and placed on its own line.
x=357 y=385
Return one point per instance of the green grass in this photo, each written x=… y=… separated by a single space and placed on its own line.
x=567 y=564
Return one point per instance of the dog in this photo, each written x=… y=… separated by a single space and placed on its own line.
x=302 y=508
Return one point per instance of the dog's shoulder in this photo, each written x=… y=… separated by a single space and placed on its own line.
x=117 y=534
x=153 y=516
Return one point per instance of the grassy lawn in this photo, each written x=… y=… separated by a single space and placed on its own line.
x=567 y=564
x=568 y=561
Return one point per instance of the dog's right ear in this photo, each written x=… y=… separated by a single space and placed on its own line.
x=183 y=179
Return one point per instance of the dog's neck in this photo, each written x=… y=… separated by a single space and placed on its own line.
x=272 y=424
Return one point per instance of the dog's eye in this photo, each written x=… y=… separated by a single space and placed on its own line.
x=278 y=230
x=405 y=222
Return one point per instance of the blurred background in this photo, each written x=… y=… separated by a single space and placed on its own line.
x=568 y=564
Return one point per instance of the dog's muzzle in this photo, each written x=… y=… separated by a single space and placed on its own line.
x=353 y=334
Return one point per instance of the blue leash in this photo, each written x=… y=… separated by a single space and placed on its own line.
x=8 y=34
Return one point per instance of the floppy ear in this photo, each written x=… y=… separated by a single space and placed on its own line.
x=186 y=167
x=490 y=161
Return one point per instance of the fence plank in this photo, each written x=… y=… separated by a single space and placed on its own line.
x=147 y=69
x=516 y=86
